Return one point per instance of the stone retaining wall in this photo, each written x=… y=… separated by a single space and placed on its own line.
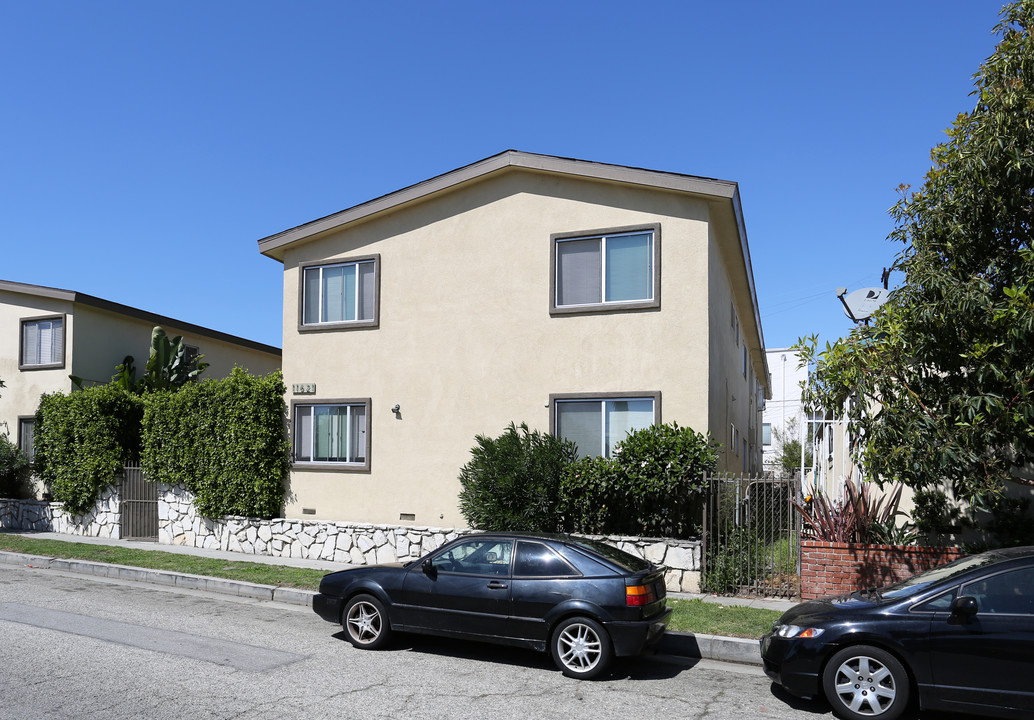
x=340 y=542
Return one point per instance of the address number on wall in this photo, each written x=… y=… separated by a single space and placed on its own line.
x=303 y=388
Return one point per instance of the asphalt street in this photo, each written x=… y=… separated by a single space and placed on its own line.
x=108 y=648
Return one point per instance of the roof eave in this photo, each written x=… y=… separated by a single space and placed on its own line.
x=273 y=245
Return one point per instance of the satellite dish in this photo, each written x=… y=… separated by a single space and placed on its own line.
x=861 y=304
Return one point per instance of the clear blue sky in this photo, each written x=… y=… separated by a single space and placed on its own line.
x=148 y=146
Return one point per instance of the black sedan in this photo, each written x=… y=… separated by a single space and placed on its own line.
x=584 y=601
x=958 y=638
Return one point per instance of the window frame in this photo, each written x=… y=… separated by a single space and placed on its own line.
x=331 y=465
x=374 y=322
x=22 y=365
x=555 y=398
x=604 y=306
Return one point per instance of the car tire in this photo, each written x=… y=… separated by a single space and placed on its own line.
x=581 y=648
x=365 y=622
x=862 y=682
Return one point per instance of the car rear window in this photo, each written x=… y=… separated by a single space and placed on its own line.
x=622 y=559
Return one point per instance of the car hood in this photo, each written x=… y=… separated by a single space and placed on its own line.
x=818 y=609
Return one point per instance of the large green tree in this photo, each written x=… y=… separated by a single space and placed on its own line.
x=939 y=384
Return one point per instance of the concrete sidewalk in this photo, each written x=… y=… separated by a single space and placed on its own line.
x=673 y=643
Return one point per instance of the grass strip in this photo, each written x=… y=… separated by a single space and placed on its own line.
x=695 y=616
x=276 y=575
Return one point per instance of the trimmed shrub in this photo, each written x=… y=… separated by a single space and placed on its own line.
x=226 y=440
x=652 y=487
x=511 y=482
x=83 y=440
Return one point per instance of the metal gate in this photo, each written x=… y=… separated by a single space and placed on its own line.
x=139 y=506
x=752 y=537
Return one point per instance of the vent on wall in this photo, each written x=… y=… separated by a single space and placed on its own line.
x=407 y=516
x=308 y=511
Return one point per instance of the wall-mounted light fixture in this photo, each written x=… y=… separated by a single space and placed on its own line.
x=396 y=408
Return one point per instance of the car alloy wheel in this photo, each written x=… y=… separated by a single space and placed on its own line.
x=581 y=648
x=864 y=682
x=365 y=622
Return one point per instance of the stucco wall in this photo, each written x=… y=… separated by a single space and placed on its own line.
x=466 y=344
x=23 y=389
x=121 y=335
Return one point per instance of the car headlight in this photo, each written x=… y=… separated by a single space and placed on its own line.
x=796 y=631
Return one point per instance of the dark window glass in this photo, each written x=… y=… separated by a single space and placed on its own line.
x=1008 y=593
x=535 y=560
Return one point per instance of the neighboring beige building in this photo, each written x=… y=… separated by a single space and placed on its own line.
x=50 y=334
x=582 y=298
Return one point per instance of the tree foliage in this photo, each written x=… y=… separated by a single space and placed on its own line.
x=939 y=385
x=788 y=457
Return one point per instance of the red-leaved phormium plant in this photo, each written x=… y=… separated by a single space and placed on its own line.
x=851 y=519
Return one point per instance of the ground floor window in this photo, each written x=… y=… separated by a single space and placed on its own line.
x=335 y=433
x=27 y=437
x=597 y=424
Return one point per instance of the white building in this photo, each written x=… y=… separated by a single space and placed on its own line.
x=784 y=414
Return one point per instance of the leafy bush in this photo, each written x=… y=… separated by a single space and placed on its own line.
x=15 y=472
x=511 y=482
x=83 y=440
x=226 y=440
x=738 y=561
x=652 y=486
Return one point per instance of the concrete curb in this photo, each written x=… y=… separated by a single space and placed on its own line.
x=709 y=647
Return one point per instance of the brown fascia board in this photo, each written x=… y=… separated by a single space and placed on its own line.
x=119 y=309
x=273 y=246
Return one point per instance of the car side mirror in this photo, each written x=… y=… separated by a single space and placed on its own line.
x=428 y=567
x=964 y=606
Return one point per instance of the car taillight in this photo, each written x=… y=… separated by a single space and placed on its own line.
x=639 y=595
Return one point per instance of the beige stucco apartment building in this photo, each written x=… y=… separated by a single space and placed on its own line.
x=582 y=298
x=49 y=334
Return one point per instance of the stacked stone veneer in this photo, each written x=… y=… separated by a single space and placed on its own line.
x=103 y=520
x=345 y=543
x=839 y=568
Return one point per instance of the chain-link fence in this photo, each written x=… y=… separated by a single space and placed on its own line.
x=751 y=537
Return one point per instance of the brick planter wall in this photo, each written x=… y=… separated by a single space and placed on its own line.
x=839 y=568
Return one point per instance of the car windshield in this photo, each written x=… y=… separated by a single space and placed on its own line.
x=618 y=557
x=921 y=581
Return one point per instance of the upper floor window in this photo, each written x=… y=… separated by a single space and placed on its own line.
x=340 y=295
x=43 y=343
x=334 y=432
x=606 y=270
x=598 y=424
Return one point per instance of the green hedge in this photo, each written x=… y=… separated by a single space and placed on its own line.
x=526 y=480
x=226 y=440
x=83 y=440
x=652 y=487
x=511 y=481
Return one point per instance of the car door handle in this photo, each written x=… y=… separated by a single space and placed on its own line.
x=496 y=585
